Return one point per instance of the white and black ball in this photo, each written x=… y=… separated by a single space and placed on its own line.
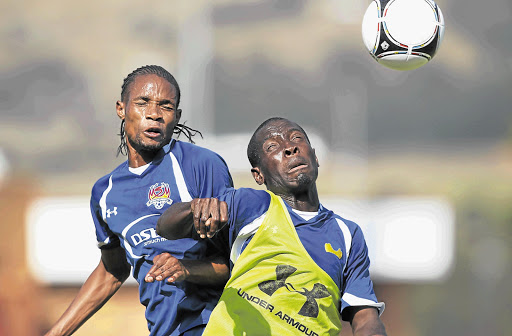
x=403 y=34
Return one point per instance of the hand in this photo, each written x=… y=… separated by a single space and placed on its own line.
x=166 y=266
x=207 y=214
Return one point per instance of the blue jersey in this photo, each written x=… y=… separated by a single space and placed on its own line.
x=126 y=205
x=335 y=244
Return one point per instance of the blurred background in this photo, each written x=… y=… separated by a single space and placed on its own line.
x=432 y=146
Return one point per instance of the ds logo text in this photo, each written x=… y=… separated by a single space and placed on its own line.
x=144 y=235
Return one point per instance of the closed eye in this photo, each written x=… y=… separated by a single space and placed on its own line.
x=167 y=107
x=141 y=101
x=270 y=147
x=297 y=137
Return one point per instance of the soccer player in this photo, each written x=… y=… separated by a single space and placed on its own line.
x=298 y=267
x=127 y=203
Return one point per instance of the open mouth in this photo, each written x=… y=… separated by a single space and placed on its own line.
x=153 y=132
x=298 y=166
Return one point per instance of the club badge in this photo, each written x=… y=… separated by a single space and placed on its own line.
x=159 y=195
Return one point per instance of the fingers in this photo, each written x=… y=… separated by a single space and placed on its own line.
x=166 y=266
x=172 y=273
x=197 y=208
x=208 y=215
x=158 y=262
x=218 y=216
x=223 y=213
x=177 y=274
x=205 y=214
x=213 y=221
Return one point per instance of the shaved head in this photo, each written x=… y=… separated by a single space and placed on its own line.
x=254 y=147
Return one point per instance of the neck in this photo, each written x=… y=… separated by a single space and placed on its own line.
x=139 y=158
x=302 y=200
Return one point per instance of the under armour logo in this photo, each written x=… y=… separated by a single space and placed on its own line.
x=310 y=307
x=111 y=212
x=269 y=287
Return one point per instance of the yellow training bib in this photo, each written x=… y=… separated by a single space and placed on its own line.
x=275 y=287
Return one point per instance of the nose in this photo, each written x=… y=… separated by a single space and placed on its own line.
x=291 y=150
x=153 y=111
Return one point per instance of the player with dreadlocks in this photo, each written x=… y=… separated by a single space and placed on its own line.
x=126 y=204
x=159 y=71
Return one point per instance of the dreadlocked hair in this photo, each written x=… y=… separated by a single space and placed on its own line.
x=188 y=131
x=161 y=72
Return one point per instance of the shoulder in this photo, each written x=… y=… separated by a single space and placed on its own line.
x=191 y=151
x=196 y=159
x=246 y=195
x=103 y=182
x=251 y=202
x=252 y=196
x=345 y=225
x=246 y=203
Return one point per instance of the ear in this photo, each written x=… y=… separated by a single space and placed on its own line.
x=316 y=158
x=178 y=115
x=120 y=109
x=257 y=175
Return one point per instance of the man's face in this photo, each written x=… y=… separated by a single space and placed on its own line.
x=149 y=113
x=288 y=163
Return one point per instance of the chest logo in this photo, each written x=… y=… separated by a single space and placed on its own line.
x=111 y=212
x=159 y=195
x=329 y=249
x=310 y=307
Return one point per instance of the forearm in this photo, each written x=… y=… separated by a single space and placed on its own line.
x=104 y=281
x=176 y=222
x=370 y=329
x=212 y=271
x=366 y=322
x=95 y=292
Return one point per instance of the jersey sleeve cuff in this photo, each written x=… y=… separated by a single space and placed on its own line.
x=350 y=300
x=108 y=244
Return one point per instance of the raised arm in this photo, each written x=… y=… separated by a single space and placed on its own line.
x=176 y=222
x=104 y=281
x=203 y=216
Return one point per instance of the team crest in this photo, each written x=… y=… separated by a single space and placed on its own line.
x=159 y=195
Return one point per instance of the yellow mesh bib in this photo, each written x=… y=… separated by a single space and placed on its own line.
x=275 y=287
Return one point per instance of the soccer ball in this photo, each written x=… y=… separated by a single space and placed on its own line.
x=403 y=34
